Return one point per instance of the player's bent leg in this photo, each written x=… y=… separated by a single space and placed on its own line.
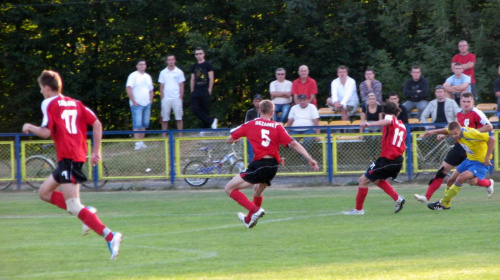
x=47 y=188
x=236 y=183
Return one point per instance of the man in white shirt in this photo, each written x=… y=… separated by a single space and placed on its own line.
x=171 y=92
x=304 y=114
x=344 y=95
x=281 y=95
x=458 y=83
x=140 y=92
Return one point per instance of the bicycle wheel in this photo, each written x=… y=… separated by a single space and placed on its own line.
x=195 y=168
x=100 y=183
x=38 y=167
x=5 y=172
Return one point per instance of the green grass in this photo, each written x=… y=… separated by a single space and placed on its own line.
x=196 y=235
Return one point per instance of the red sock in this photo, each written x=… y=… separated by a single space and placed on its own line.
x=57 y=198
x=360 y=198
x=257 y=200
x=433 y=187
x=387 y=188
x=242 y=200
x=483 y=182
x=92 y=221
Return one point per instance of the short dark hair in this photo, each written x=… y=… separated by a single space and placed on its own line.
x=140 y=60
x=453 y=126
x=370 y=69
x=394 y=93
x=343 y=67
x=52 y=79
x=457 y=64
x=199 y=49
x=466 y=95
x=416 y=67
x=391 y=109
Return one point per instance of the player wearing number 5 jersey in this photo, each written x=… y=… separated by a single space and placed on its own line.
x=265 y=136
x=66 y=120
x=390 y=161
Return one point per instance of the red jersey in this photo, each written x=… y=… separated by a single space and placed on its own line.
x=464 y=59
x=474 y=119
x=307 y=88
x=265 y=137
x=67 y=120
x=393 y=138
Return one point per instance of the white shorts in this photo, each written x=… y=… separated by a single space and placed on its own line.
x=169 y=105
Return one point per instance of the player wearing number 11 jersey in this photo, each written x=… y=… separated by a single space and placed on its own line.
x=66 y=120
x=265 y=136
x=390 y=161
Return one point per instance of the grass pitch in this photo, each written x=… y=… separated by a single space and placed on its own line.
x=197 y=235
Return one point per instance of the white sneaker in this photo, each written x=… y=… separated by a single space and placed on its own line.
x=143 y=146
x=491 y=188
x=398 y=206
x=85 y=228
x=137 y=146
x=421 y=198
x=255 y=217
x=214 y=124
x=114 y=245
x=354 y=212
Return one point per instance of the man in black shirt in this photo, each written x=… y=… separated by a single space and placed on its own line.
x=394 y=98
x=254 y=112
x=202 y=82
x=416 y=91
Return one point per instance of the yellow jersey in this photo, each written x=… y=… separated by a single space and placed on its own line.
x=474 y=143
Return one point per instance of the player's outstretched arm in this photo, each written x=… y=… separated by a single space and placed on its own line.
x=97 y=136
x=436 y=131
x=300 y=149
x=39 y=131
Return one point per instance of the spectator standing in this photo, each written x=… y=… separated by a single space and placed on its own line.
x=416 y=91
x=458 y=83
x=468 y=61
x=172 y=93
x=201 y=84
x=281 y=95
x=441 y=109
x=304 y=114
x=140 y=93
x=305 y=85
x=496 y=89
x=344 y=96
x=394 y=98
x=253 y=113
x=370 y=85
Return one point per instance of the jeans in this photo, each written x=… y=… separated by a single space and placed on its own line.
x=284 y=109
x=141 y=116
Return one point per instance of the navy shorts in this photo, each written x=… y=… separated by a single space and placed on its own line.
x=68 y=171
x=261 y=171
x=456 y=155
x=384 y=168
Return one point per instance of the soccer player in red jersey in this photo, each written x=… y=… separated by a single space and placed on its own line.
x=265 y=136
x=66 y=120
x=469 y=117
x=390 y=161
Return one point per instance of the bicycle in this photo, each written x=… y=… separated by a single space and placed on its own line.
x=41 y=166
x=198 y=168
x=5 y=172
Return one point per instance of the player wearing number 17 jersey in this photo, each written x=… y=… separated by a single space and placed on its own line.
x=390 y=161
x=265 y=136
x=66 y=120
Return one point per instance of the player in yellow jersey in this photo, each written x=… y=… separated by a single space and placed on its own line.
x=479 y=148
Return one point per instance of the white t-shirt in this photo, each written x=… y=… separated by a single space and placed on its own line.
x=303 y=116
x=284 y=86
x=141 y=85
x=171 y=81
x=346 y=94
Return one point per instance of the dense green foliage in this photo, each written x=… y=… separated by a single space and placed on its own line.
x=95 y=45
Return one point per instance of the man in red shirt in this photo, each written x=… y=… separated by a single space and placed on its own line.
x=388 y=164
x=471 y=117
x=305 y=85
x=66 y=120
x=468 y=61
x=265 y=136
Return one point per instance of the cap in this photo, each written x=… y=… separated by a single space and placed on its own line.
x=257 y=96
x=302 y=96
